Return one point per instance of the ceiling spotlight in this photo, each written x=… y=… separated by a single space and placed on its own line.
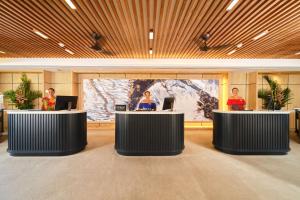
x=232 y=4
x=150 y=51
x=70 y=3
x=151 y=35
x=40 y=34
x=69 y=51
x=61 y=45
x=231 y=52
x=261 y=35
x=239 y=45
x=2 y=52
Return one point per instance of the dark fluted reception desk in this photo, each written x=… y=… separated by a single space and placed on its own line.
x=46 y=133
x=149 y=133
x=251 y=132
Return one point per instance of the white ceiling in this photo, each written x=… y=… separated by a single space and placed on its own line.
x=94 y=64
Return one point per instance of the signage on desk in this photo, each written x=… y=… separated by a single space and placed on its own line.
x=120 y=107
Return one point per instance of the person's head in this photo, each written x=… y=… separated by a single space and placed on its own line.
x=51 y=91
x=235 y=91
x=147 y=94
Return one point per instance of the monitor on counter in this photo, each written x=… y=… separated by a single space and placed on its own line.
x=168 y=103
x=66 y=102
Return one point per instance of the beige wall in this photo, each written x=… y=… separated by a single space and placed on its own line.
x=11 y=80
x=70 y=83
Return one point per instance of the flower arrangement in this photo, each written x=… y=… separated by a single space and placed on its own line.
x=48 y=103
x=23 y=96
x=274 y=98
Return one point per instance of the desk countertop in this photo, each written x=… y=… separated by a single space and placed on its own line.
x=44 y=112
x=149 y=112
x=252 y=112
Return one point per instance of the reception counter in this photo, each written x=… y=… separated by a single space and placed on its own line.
x=46 y=133
x=297 y=120
x=251 y=132
x=149 y=133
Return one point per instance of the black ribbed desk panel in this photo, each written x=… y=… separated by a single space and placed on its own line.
x=251 y=133
x=1 y=121
x=149 y=134
x=46 y=134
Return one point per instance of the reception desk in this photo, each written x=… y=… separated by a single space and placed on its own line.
x=46 y=133
x=149 y=133
x=251 y=132
x=297 y=120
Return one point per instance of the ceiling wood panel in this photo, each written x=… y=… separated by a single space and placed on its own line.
x=125 y=25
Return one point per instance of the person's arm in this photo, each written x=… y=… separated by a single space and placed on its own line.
x=229 y=103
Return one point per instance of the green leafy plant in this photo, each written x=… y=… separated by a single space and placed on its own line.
x=23 y=96
x=274 y=98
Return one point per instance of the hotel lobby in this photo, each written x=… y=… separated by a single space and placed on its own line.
x=149 y=99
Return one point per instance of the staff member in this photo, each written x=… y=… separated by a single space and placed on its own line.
x=48 y=102
x=147 y=103
x=235 y=102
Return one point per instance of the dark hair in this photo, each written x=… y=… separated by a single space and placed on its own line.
x=235 y=88
x=147 y=92
x=51 y=89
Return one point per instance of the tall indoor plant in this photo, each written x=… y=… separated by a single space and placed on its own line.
x=274 y=98
x=23 y=96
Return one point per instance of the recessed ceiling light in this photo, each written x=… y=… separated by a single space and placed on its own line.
x=298 y=53
x=2 y=52
x=151 y=35
x=239 y=45
x=232 y=4
x=69 y=51
x=40 y=34
x=70 y=3
x=150 y=51
x=61 y=44
x=261 y=35
x=231 y=52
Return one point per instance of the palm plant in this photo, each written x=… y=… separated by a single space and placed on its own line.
x=274 y=98
x=23 y=96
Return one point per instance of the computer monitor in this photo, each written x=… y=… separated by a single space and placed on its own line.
x=66 y=102
x=168 y=103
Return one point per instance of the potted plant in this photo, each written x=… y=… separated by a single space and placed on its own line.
x=23 y=96
x=274 y=98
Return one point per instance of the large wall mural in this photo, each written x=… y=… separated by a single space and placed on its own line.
x=197 y=98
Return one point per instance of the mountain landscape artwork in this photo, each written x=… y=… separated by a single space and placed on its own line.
x=196 y=98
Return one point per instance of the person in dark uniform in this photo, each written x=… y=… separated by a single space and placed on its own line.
x=147 y=103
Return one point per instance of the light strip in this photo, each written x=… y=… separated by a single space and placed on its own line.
x=231 y=52
x=151 y=35
x=2 y=52
x=239 y=45
x=40 y=34
x=261 y=35
x=298 y=53
x=69 y=51
x=232 y=4
x=150 y=51
x=70 y=3
x=61 y=45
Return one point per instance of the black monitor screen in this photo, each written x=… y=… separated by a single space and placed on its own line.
x=168 y=103
x=64 y=102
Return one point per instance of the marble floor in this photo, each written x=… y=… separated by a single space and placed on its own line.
x=200 y=172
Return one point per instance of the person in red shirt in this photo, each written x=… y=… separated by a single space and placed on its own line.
x=235 y=102
x=48 y=102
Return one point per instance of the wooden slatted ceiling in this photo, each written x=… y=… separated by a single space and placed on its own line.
x=125 y=24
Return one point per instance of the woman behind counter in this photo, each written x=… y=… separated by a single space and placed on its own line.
x=147 y=103
x=48 y=102
x=235 y=102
